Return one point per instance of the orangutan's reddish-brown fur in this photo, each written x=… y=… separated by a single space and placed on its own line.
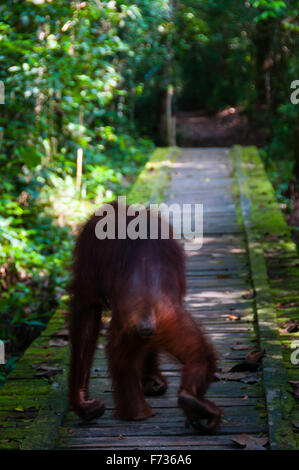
x=143 y=283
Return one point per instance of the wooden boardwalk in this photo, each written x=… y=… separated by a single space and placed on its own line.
x=242 y=286
x=218 y=290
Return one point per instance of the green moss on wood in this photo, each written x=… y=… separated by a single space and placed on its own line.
x=275 y=257
x=153 y=180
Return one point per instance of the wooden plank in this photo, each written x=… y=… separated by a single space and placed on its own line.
x=164 y=430
x=217 y=389
x=171 y=402
x=275 y=375
x=144 y=442
x=250 y=414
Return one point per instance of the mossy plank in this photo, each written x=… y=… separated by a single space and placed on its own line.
x=264 y=223
x=154 y=179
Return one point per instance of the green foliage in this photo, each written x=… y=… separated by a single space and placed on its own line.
x=215 y=54
x=8 y=367
x=74 y=72
x=243 y=55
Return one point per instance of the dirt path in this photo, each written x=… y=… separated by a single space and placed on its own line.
x=223 y=129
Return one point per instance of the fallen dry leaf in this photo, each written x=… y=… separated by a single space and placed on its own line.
x=291 y=326
x=248 y=294
x=255 y=356
x=223 y=275
x=249 y=442
x=19 y=408
x=233 y=317
x=251 y=362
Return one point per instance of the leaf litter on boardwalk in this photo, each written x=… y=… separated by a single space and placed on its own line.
x=251 y=363
x=232 y=317
x=248 y=294
x=248 y=442
x=243 y=371
x=291 y=326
